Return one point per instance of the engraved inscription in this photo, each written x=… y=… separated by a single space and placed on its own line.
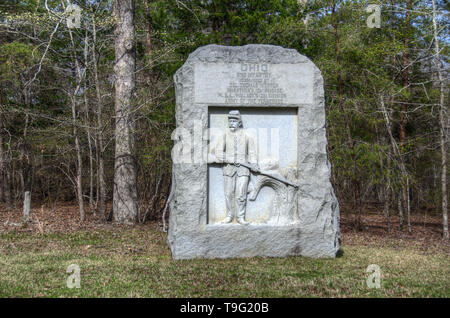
x=254 y=85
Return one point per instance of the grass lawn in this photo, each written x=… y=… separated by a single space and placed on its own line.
x=135 y=262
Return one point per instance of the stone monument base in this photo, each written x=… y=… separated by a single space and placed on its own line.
x=235 y=240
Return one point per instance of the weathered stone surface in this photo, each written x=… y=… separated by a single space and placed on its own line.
x=254 y=79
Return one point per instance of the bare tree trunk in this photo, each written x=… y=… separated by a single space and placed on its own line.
x=12 y=181
x=91 y=162
x=408 y=205
x=79 y=184
x=97 y=180
x=403 y=116
x=125 y=199
x=88 y=129
x=26 y=93
x=387 y=194
x=442 y=126
x=26 y=206
x=400 y=210
x=388 y=119
x=7 y=189
x=79 y=160
x=25 y=160
x=101 y=194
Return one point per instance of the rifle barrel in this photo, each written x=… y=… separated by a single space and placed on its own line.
x=279 y=178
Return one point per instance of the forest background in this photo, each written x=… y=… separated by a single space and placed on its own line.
x=386 y=89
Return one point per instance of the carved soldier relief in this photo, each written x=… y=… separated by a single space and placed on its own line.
x=258 y=179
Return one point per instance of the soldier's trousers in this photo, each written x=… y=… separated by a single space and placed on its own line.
x=236 y=195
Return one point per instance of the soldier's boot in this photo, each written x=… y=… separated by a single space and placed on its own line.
x=227 y=220
x=242 y=221
x=241 y=212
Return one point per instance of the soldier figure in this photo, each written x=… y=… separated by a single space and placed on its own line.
x=233 y=148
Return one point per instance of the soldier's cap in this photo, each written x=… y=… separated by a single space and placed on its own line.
x=234 y=114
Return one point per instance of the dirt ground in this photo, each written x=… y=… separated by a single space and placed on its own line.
x=64 y=218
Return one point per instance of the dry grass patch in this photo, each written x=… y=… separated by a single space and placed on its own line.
x=135 y=262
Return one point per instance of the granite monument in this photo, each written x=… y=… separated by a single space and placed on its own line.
x=251 y=175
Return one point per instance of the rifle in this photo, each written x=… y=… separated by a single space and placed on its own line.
x=255 y=169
